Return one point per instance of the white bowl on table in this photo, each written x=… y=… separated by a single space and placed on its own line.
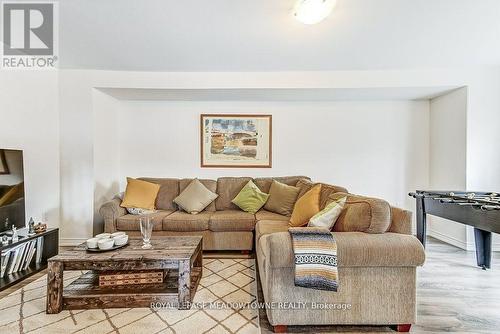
x=117 y=234
x=105 y=243
x=92 y=242
x=120 y=240
x=103 y=236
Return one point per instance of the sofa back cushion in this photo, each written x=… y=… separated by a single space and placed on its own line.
x=264 y=183
x=169 y=189
x=210 y=184
x=227 y=189
x=326 y=190
x=362 y=214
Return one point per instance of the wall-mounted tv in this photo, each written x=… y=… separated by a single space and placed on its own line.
x=11 y=189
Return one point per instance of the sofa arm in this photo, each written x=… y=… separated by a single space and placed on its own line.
x=354 y=249
x=110 y=211
x=400 y=221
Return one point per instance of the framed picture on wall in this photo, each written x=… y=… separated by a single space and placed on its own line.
x=240 y=141
x=4 y=168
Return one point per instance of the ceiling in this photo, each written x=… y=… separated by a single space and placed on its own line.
x=261 y=35
x=278 y=94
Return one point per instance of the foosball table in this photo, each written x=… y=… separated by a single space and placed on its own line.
x=478 y=209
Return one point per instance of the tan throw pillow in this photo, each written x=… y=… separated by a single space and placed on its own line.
x=281 y=198
x=140 y=194
x=195 y=197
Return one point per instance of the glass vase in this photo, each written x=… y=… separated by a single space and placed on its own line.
x=146 y=231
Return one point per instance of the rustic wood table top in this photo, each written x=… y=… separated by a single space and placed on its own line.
x=165 y=248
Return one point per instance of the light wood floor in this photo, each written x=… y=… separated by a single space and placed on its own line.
x=453 y=295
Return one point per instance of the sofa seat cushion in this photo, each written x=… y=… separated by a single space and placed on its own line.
x=131 y=222
x=185 y=222
x=264 y=227
x=268 y=215
x=232 y=220
x=354 y=249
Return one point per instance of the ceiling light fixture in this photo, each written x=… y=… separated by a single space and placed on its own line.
x=313 y=11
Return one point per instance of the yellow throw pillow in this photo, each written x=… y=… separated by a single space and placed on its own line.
x=306 y=207
x=140 y=194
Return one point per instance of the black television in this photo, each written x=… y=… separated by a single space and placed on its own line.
x=12 y=212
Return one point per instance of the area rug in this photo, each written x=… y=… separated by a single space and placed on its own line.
x=222 y=304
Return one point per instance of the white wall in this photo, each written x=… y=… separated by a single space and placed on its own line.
x=377 y=148
x=447 y=169
x=106 y=152
x=77 y=160
x=78 y=105
x=29 y=121
x=483 y=137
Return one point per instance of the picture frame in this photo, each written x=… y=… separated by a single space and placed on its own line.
x=4 y=167
x=236 y=140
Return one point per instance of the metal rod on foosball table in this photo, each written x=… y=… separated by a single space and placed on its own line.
x=490 y=207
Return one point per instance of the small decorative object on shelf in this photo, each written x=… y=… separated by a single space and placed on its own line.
x=31 y=224
x=5 y=240
x=15 y=236
x=40 y=227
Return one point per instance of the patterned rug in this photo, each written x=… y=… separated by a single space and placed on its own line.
x=225 y=289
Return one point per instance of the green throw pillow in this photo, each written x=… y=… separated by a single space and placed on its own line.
x=250 y=198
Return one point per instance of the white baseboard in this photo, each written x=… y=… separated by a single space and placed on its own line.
x=468 y=246
x=71 y=241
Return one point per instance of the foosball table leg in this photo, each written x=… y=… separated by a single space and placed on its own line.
x=483 y=248
x=421 y=220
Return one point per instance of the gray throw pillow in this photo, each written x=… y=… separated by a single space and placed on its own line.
x=195 y=197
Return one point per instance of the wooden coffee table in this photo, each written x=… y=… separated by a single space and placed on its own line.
x=181 y=256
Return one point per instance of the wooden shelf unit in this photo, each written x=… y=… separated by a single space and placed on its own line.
x=50 y=248
x=85 y=292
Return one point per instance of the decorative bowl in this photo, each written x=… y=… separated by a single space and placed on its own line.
x=121 y=240
x=105 y=243
x=92 y=243
x=117 y=234
x=103 y=235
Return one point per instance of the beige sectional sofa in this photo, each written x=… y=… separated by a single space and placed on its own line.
x=377 y=255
